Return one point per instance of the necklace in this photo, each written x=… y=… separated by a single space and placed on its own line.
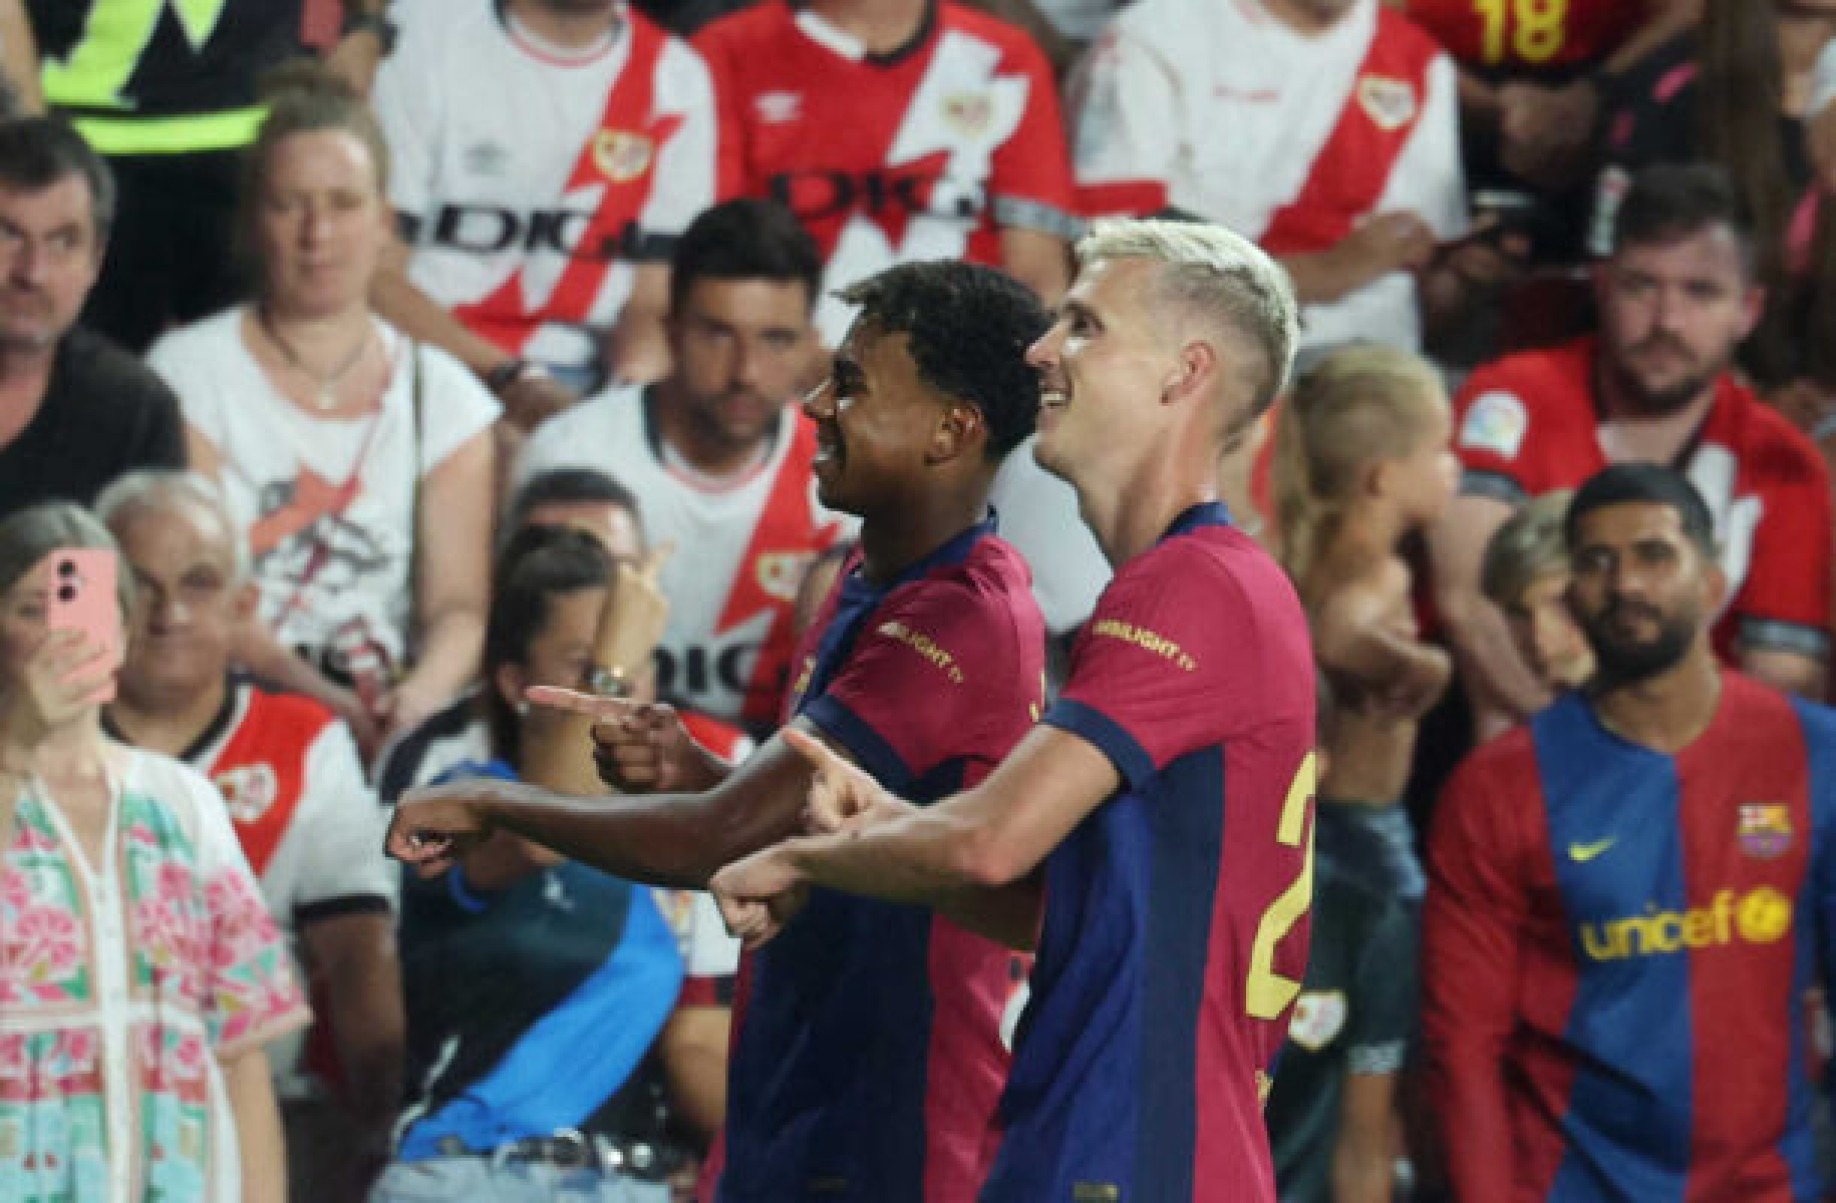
x=326 y=397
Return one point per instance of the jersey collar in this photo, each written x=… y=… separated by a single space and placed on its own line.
x=1597 y=395
x=552 y=56
x=1205 y=513
x=213 y=731
x=653 y=434
x=827 y=35
x=860 y=597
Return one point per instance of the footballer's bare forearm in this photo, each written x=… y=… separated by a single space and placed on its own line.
x=925 y=857
x=662 y=839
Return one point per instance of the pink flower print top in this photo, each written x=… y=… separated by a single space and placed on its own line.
x=122 y=985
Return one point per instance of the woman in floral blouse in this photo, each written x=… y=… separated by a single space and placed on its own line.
x=140 y=975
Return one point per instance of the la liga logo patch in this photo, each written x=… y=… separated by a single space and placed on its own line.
x=1497 y=423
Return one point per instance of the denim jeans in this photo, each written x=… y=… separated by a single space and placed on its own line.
x=495 y=1180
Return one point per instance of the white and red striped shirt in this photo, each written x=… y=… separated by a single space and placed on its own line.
x=744 y=546
x=533 y=182
x=926 y=152
x=1219 y=109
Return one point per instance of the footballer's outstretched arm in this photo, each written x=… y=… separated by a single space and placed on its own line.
x=971 y=855
x=660 y=839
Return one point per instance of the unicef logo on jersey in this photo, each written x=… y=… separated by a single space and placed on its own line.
x=1760 y=916
x=248 y=790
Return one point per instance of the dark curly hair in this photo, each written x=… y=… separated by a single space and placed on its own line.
x=967 y=329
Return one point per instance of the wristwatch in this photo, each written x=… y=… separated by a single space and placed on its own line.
x=608 y=682
x=387 y=32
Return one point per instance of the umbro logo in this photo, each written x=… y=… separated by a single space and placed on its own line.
x=778 y=108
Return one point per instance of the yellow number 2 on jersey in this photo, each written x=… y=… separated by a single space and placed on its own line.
x=1269 y=992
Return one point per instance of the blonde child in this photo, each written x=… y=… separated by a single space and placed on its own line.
x=1361 y=463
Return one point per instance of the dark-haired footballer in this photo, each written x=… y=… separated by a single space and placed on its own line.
x=867 y=1059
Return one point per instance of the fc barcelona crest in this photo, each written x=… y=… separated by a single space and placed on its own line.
x=969 y=113
x=621 y=155
x=1765 y=829
x=1390 y=103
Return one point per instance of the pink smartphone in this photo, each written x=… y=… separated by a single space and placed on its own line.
x=81 y=596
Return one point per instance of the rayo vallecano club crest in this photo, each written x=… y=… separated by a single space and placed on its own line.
x=1388 y=102
x=248 y=790
x=621 y=155
x=969 y=113
x=781 y=572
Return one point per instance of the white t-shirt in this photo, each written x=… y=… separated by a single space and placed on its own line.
x=1037 y=513
x=1228 y=109
x=1079 y=20
x=503 y=151
x=322 y=561
x=1823 y=81
x=740 y=555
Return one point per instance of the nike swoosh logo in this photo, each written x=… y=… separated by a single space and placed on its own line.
x=1582 y=853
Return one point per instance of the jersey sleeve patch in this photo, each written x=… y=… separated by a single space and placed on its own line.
x=919 y=684
x=1496 y=422
x=1319 y=1017
x=1154 y=676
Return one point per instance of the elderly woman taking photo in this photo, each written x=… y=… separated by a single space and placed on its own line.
x=359 y=464
x=140 y=975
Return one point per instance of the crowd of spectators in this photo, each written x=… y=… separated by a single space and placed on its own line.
x=416 y=353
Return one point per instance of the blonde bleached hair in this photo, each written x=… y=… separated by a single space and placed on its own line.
x=1217 y=276
x=1358 y=406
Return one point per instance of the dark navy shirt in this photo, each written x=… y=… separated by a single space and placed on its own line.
x=867 y=1059
x=530 y=1008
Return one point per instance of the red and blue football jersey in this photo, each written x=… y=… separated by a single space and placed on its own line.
x=1617 y=948
x=867 y=1057
x=1176 y=925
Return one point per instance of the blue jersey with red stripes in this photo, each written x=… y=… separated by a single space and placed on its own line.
x=1618 y=945
x=1176 y=925
x=867 y=1055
